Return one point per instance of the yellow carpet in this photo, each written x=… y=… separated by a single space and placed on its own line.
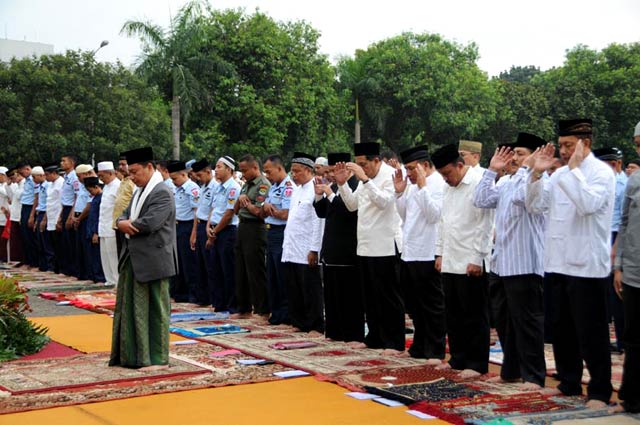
x=296 y=401
x=88 y=333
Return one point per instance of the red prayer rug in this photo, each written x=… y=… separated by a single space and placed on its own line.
x=52 y=350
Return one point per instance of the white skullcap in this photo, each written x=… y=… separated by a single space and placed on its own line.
x=105 y=166
x=321 y=160
x=37 y=171
x=189 y=163
x=3 y=170
x=83 y=168
x=637 y=131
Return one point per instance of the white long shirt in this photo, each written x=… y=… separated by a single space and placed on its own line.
x=465 y=232
x=15 y=193
x=303 y=232
x=54 y=203
x=579 y=204
x=378 y=221
x=420 y=211
x=4 y=203
x=105 y=228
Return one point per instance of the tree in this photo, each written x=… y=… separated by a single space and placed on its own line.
x=69 y=103
x=431 y=91
x=170 y=60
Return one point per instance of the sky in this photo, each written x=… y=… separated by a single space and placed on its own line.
x=507 y=32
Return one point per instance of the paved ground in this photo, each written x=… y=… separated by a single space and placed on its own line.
x=42 y=308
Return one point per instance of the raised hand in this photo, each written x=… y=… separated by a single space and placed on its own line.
x=421 y=176
x=530 y=161
x=501 y=158
x=399 y=182
x=545 y=158
x=357 y=171
x=578 y=156
x=341 y=174
x=318 y=186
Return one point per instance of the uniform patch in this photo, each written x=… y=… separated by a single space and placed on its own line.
x=260 y=198
x=262 y=190
x=287 y=192
x=232 y=193
x=195 y=192
x=288 y=183
x=76 y=184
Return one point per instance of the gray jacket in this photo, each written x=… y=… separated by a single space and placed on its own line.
x=153 y=250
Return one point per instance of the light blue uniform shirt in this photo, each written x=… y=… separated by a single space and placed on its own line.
x=42 y=196
x=280 y=197
x=70 y=189
x=225 y=198
x=206 y=200
x=170 y=184
x=84 y=198
x=186 y=197
x=29 y=192
x=621 y=185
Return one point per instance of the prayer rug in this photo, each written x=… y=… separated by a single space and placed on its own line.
x=29 y=376
x=198 y=315
x=488 y=407
x=201 y=331
x=573 y=417
x=219 y=371
x=439 y=390
x=52 y=350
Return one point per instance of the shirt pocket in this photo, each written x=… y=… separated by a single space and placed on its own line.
x=578 y=250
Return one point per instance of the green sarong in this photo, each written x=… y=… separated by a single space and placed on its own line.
x=141 y=320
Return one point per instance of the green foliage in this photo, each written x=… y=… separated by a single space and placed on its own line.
x=70 y=103
x=18 y=336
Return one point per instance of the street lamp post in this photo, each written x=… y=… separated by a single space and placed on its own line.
x=93 y=143
x=104 y=43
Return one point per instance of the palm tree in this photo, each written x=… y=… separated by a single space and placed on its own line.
x=352 y=75
x=172 y=58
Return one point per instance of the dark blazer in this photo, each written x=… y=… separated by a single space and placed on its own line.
x=340 y=241
x=153 y=250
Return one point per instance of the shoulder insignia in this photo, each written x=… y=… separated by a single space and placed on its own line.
x=288 y=183
x=262 y=190
x=287 y=192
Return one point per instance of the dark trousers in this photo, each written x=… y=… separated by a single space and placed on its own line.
x=548 y=309
x=83 y=252
x=184 y=285
x=424 y=301
x=53 y=238
x=29 y=244
x=630 y=389
x=205 y=268
x=68 y=264
x=46 y=255
x=517 y=307
x=581 y=332
x=304 y=290
x=223 y=292
x=467 y=318
x=383 y=303
x=94 y=261
x=276 y=277
x=343 y=303
x=251 y=268
x=616 y=310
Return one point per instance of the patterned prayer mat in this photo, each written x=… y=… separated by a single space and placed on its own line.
x=496 y=356
x=572 y=417
x=28 y=376
x=198 y=315
x=489 y=407
x=200 y=331
x=316 y=355
x=440 y=390
x=220 y=366
x=37 y=281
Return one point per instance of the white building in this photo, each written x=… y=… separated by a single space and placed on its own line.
x=10 y=49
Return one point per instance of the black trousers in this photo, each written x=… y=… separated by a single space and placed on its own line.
x=581 y=332
x=343 y=303
x=304 y=290
x=46 y=255
x=53 y=238
x=518 y=311
x=251 y=268
x=223 y=291
x=183 y=286
x=84 y=256
x=630 y=389
x=68 y=263
x=424 y=301
x=205 y=266
x=383 y=305
x=277 y=286
x=467 y=314
x=29 y=242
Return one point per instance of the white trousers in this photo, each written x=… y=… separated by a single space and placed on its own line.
x=109 y=257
